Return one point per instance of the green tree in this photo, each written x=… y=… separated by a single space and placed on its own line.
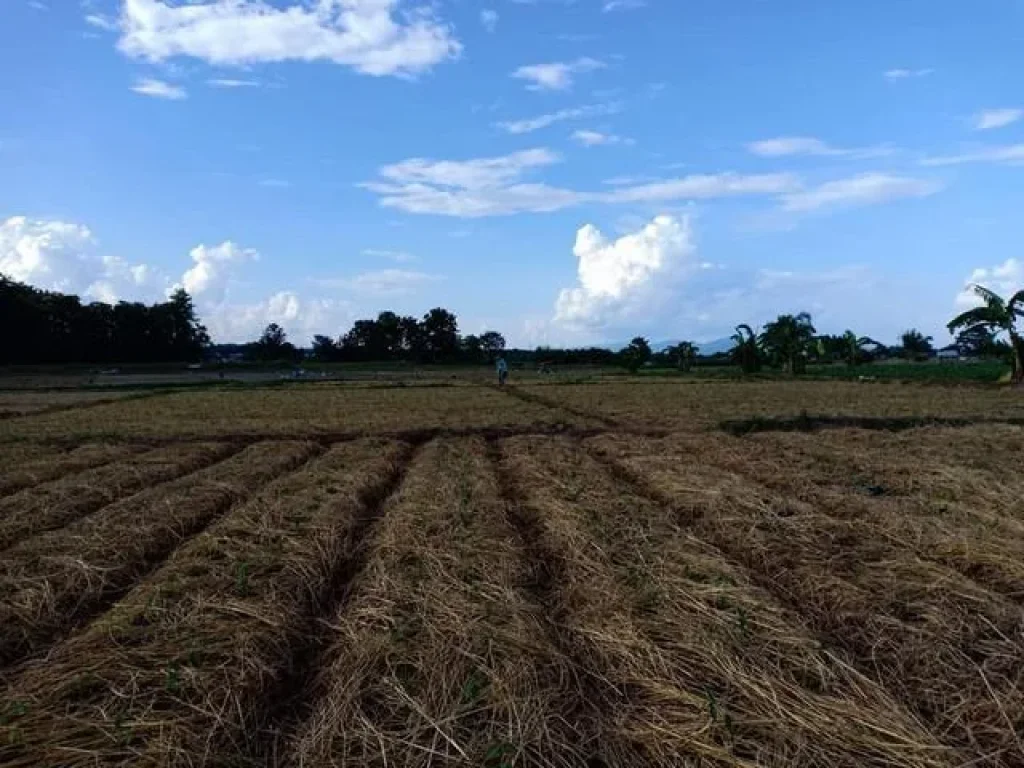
x=441 y=334
x=684 y=354
x=915 y=345
x=853 y=347
x=997 y=315
x=324 y=348
x=745 y=352
x=273 y=344
x=637 y=353
x=472 y=350
x=492 y=343
x=787 y=341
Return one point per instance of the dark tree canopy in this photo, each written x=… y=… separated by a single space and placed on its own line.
x=49 y=327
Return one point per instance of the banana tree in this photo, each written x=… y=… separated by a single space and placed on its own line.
x=854 y=345
x=745 y=352
x=997 y=315
x=685 y=354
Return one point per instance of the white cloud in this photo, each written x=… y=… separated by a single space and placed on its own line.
x=489 y=19
x=213 y=268
x=906 y=74
x=1005 y=279
x=301 y=317
x=596 y=138
x=555 y=76
x=620 y=278
x=531 y=124
x=274 y=183
x=1009 y=155
x=399 y=257
x=494 y=187
x=996 y=118
x=383 y=282
x=863 y=189
x=100 y=21
x=38 y=5
x=622 y=5
x=786 y=146
x=228 y=82
x=62 y=256
x=159 y=89
x=374 y=37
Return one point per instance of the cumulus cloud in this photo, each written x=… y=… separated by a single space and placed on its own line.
x=489 y=19
x=996 y=118
x=557 y=75
x=495 y=186
x=596 y=138
x=531 y=124
x=159 y=89
x=787 y=146
x=63 y=256
x=1012 y=154
x=1005 y=279
x=214 y=267
x=301 y=317
x=620 y=278
x=374 y=37
x=863 y=189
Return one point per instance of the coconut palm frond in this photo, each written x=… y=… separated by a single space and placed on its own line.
x=987 y=315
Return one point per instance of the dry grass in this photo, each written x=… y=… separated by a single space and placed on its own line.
x=27 y=464
x=20 y=403
x=288 y=411
x=950 y=648
x=696 y=661
x=49 y=581
x=440 y=658
x=185 y=669
x=51 y=505
x=698 y=405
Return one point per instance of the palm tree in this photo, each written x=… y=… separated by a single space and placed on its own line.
x=745 y=353
x=685 y=354
x=997 y=315
x=787 y=340
x=854 y=345
x=916 y=346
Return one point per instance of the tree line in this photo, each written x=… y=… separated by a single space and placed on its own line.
x=50 y=327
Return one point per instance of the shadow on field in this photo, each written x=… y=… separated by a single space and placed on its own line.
x=808 y=423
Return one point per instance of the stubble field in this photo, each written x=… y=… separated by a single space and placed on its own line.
x=603 y=574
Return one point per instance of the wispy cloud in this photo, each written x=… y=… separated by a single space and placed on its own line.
x=996 y=118
x=863 y=189
x=399 y=257
x=159 y=89
x=100 y=21
x=383 y=282
x=786 y=146
x=906 y=74
x=1012 y=154
x=622 y=5
x=528 y=125
x=557 y=75
x=496 y=186
x=597 y=139
x=227 y=82
x=274 y=183
x=489 y=19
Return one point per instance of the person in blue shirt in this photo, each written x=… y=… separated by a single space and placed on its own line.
x=502 y=367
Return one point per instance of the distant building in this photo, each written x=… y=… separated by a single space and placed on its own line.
x=948 y=353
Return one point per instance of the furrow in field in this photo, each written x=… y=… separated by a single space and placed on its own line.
x=696 y=664
x=51 y=582
x=50 y=506
x=440 y=658
x=950 y=649
x=532 y=397
x=205 y=644
x=56 y=463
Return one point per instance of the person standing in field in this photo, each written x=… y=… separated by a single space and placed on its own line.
x=502 y=367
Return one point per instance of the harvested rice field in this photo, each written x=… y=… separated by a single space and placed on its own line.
x=601 y=575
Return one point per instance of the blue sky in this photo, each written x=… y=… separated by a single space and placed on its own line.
x=563 y=171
